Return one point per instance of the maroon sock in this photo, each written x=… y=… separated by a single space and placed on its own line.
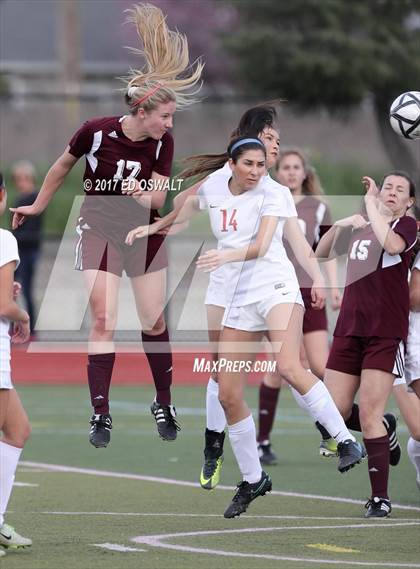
x=267 y=411
x=99 y=371
x=353 y=422
x=378 y=464
x=160 y=362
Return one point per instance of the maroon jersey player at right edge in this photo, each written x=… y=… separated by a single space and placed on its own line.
x=367 y=353
x=128 y=163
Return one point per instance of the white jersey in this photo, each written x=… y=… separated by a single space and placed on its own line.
x=235 y=222
x=8 y=253
x=412 y=360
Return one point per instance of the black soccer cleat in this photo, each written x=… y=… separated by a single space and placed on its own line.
x=166 y=423
x=267 y=456
x=100 y=430
x=350 y=453
x=246 y=493
x=378 y=508
x=213 y=460
x=390 y=423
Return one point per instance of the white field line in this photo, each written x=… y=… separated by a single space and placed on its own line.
x=157 y=541
x=117 y=547
x=25 y=484
x=126 y=476
x=188 y=515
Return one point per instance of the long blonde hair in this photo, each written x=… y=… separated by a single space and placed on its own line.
x=166 y=59
x=311 y=185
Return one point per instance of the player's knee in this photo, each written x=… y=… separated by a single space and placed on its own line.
x=289 y=371
x=104 y=322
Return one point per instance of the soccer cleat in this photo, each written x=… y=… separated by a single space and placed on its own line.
x=350 y=453
x=167 y=425
x=390 y=422
x=328 y=447
x=246 y=493
x=267 y=456
x=213 y=460
x=100 y=430
x=9 y=538
x=378 y=508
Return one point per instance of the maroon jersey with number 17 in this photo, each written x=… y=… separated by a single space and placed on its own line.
x=376 y=297
x=111 y=157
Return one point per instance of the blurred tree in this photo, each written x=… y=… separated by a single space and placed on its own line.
x=332 y=54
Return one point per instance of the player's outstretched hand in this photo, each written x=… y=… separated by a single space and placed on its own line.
x=370 y=186
x=140 y=232
x=21 y=213
x=17 y=289
x=21 y=332
x=211 y=260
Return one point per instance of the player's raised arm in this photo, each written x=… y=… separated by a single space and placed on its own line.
x=52 y=182
x=191 y=206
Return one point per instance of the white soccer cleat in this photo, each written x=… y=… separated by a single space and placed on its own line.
x=9 y=538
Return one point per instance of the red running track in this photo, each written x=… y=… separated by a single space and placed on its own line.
x=43 y=365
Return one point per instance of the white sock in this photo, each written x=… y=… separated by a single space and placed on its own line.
x=413 y=450
x=243 y=439
x=322 y=408
x=9 y=458
x=299 y=399
x=215 y=415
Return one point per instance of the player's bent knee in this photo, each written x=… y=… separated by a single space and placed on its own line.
x=289 y=371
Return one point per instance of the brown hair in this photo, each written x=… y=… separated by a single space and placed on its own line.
x=311 y=185
x=167 y=58
x=251 y=124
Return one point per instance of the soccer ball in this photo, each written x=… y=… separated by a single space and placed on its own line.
x=404 y=115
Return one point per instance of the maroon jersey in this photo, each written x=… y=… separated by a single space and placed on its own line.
x=314 y=218
x=112 y=158
x=376 y=297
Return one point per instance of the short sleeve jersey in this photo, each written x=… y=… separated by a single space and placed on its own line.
x=376 y=296
x=235 y=222
x=8 y=253
x=111 y=157
x=314 y=218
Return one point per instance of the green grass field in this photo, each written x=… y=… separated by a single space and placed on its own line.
x=88 y=513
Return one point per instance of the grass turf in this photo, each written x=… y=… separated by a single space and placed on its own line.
x=60 y=416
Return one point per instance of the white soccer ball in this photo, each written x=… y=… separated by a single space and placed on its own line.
x=404 y=115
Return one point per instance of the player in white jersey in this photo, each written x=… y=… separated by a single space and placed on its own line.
x=256 y=122
x=249 y=226
x=14 y=422
x=408 y=397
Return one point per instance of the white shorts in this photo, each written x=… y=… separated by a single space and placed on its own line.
x=252 y=317
x=216 y=291
x=6 y=380
x=412 y=357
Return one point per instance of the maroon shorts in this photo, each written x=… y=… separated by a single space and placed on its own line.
x=109 y=253
x=313 y=319
x=352 y=354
